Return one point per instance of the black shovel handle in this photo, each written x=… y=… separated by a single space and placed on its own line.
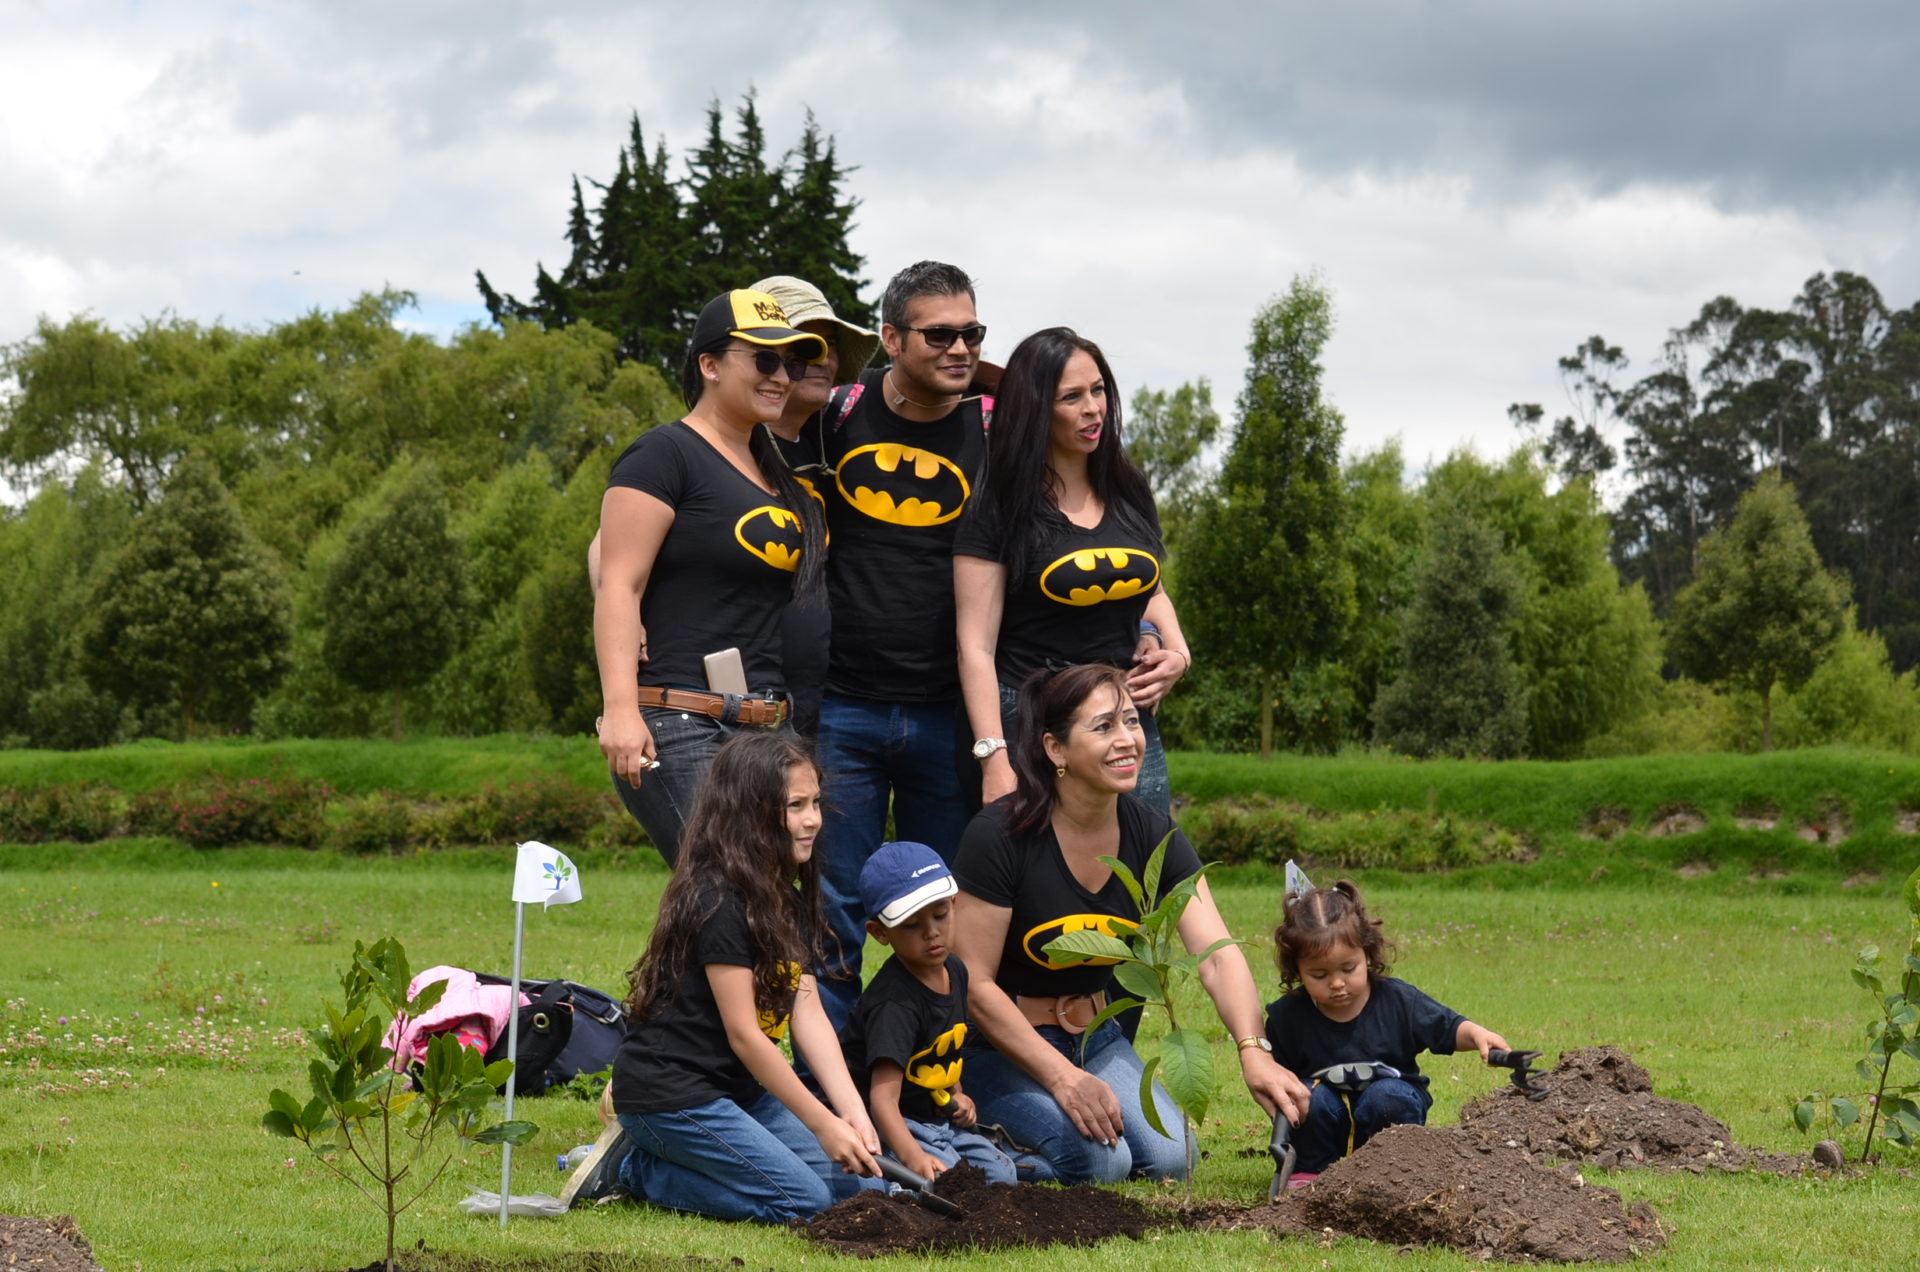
x=918 y=1186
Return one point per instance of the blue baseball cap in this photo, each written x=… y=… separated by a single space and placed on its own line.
x=901 y=879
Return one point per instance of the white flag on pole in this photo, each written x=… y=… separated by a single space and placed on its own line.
x=544 y=875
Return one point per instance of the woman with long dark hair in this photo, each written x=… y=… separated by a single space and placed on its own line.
x=1057 y=561
x=711 y=1118
x=705 y=537
x=1029 y=869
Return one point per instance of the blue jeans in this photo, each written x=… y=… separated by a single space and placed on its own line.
x=758 y=1162
x=953 y=1146
x=685 y=744
x=1154 y=788
x=878 y=756
x=1323 y=1138
x=1005 y=1094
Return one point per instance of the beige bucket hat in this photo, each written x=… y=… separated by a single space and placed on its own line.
x=803 y=302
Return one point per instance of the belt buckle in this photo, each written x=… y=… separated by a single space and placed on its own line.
x=1065 y=1003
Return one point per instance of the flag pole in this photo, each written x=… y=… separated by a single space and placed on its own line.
x=513 y=1051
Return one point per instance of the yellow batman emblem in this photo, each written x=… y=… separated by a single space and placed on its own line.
x=775 y=1025
x=939 y=1077
x=1092 y=575
x=1035 y=941
x=772 y=534
x=902 y=485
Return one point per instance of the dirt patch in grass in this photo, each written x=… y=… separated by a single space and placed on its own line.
x=1906 y=821
x=1830 y=823
x=45 y=1245
x=1694 y=869
x=873 y=1223
x=1676 y=819
x=1600 y=1108
x=1604 y=821
x=1859 y=879
x=1756 y=814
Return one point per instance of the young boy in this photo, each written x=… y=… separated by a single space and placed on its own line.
x=903 y=1041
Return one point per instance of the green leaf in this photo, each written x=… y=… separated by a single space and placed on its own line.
x=1902 y=1013
x=507 y=1133
x=1845 y=1111
x=1866 y=1072
x=1911 y=1048
x=1187 y=1070
x=1147 y=1102
x=278 y=1123
x=427 y=999
x=1139 y=980
x=1866 y=980
x=495 y=1075
x=1913 y=963
x=1078 y=947
x=1803 y=1114
x=1107 y=1013
x=321 y=1079
x=1216 y=947
x=282 y=1102
x=1127 y=880
x=1156 y=863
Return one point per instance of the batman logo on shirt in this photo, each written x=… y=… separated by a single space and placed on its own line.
x=772 y=534
x=806 y=484
x=1035 y=942
x=1092 y=575
x=774 y=1024
x=939 y=1077
x=903 y=485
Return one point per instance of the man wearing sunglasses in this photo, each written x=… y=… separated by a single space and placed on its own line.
x=905 y=445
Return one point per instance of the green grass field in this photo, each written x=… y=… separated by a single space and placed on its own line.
x=154 y=993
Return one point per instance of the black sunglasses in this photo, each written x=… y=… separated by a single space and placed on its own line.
x=766 y=362
x=943 y=337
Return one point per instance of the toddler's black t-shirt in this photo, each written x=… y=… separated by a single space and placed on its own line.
x=724 y=573
x=899 y=1019
x=1396 y=1025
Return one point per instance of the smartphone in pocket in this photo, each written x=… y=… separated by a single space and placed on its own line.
x=726 y=673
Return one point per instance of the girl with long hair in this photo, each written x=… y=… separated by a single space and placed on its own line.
x=1029 y=869
x=710 y=1116
x=705 y=537
x=1058 y=560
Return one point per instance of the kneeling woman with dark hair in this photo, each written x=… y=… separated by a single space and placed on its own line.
x=1029 y=864
x=704 y=537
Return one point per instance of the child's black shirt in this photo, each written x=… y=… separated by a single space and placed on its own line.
x=1396 y=1025
x=899 y=1019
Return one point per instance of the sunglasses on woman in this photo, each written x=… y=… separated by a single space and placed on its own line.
x=766 y=362
x=943 y=337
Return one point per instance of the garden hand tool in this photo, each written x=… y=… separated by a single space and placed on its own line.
x=1521 y=1062
x=1281 y=1146
x=918 y=1188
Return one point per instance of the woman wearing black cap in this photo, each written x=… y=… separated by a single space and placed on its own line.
x=704 y=538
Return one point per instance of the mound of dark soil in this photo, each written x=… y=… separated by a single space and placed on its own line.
x=45 y=1245
x=1600 y=1108
x=1424 y=1185
x=873 y=1223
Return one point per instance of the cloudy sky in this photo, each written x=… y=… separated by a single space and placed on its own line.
x=1482 y=183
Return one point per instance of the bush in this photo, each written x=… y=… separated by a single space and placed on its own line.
x=545 y=808
x=79 y=811
x=381 y=822
x=219 y=811
x=1259 y=829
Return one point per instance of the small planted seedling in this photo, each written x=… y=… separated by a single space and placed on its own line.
x=364 y=1121
x=1893 y=1107
x=1149 y=961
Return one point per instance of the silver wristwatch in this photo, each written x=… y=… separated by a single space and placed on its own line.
x=985 y=747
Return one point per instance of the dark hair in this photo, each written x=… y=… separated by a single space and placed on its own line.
x=773 y=467
x=1318 y=919
x=922 y=278
x=736 y=843
x=1048 y=702
x=1020 y=488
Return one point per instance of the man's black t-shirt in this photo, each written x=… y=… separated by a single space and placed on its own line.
x=892 y=505
x=1080 y=596
x=899 y=1019
x=806 y=624
x=680 y=1057
x=724 y=573
x=1396 y=1025
x=1026 y=874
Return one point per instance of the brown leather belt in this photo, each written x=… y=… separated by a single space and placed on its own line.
x=1071 y=1012
x=728 y=708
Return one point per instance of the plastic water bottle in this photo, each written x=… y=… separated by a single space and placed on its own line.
x=567 y=1163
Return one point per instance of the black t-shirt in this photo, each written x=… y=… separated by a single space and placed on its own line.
x=899 y=1019
x=1080 y=596
x=1396 y=1025
x=892 y=506
x=1026 y=874
x=806 y=624
x=680 y=1057
x=724 y=573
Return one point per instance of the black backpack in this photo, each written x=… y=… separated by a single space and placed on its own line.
x=567 y=1029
